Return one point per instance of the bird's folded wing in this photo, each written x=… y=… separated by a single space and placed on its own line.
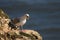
x=16 y=20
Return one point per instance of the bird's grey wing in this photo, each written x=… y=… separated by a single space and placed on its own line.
x=16 y=20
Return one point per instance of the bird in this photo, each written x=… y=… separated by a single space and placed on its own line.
x=19 y=22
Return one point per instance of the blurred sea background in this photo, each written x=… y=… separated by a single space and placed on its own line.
x=44 y=15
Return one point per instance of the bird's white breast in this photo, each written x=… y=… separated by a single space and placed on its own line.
x=24 y=21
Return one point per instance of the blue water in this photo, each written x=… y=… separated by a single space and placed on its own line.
x=46 y=23
x=44 y=17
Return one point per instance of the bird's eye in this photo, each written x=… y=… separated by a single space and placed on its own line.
x=27 y=16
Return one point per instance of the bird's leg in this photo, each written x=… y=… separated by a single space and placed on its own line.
x=21 y=28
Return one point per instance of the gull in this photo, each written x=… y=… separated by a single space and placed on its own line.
x=19 y=22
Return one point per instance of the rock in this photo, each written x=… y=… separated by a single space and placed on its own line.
x=33 y=33
x=3 y=14
x=4 y=24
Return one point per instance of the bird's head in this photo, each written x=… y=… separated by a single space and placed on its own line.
x=27 y=16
